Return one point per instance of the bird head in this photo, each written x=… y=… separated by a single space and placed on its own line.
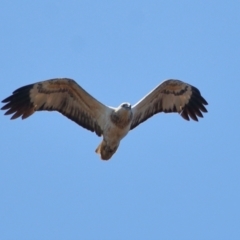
x=126 y=106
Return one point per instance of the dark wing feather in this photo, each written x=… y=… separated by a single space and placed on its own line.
x=170 y=96
x=62 y=95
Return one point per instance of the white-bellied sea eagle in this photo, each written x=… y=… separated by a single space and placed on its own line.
x=67 y=97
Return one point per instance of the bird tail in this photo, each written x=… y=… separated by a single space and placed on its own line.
x=105 y=151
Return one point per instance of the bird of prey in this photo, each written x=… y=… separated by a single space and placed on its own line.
x=67 y=97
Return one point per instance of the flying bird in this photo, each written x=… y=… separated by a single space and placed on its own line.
x=67 y=97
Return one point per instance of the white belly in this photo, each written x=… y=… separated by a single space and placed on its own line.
x=113 y=135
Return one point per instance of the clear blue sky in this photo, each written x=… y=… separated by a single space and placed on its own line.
x=170 y=179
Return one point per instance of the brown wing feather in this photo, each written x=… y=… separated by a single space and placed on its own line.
x=170 y=96
x=62 y=95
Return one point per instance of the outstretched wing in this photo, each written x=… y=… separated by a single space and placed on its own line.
x=63 y=95
x=170 y=96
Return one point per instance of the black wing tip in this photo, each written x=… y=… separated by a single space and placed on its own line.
x=185 y=115
x=18 y=103
x=205 y=102
x=201 y=98
x=7 y=99
x=23 y=89
x=195 y=107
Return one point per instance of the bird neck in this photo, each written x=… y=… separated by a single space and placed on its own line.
x=121 y=118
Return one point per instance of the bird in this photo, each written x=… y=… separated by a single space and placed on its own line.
x=113 y=124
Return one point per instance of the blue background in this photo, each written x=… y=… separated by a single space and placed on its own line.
x=170 y=179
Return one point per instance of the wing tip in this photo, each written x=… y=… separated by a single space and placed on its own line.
x=18 y=103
